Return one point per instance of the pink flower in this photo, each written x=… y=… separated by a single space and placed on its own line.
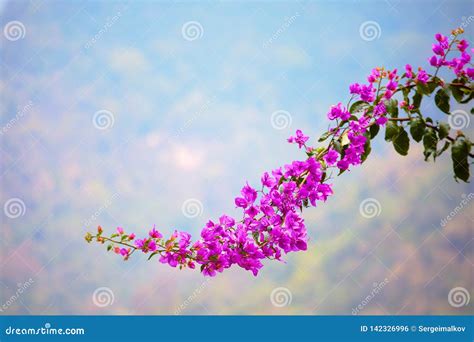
x=300 y=138
x=155 y=234
x=331 y=157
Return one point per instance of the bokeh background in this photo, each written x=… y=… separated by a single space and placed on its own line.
x=118 y=113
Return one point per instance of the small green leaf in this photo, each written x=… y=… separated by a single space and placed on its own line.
x=417 y=129
x=374 y=130
x=459 y=153
x=417 y=100
x=367 y=148
x=392 y=108
x=445 y=147
x=337 y=146
x=458 y=94
x=430 y=141
x=325 y=136
x=401 y=142
x=109 y=247
x=427 y=88
x=152 y=255
x=357 y=106
x=442 y=100
x=469 y=98
x=391 y=130
x=443 y=130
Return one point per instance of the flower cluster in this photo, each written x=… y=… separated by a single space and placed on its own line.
x=458 y=65
x=272 y=224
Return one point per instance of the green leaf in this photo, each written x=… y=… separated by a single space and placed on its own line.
x=469 y=98
x=337 y=146
x=459 y=153
x=417 y=100
x=109 y=247
x=430 y=141
x=374 y=130
x=427 y=88
x=391 y=130
x=367 y=148
x=442 y=100
x=392 y=108
x=325 y=136
x=357 y=106
x=402 y=142
x=152 y=255
x=445 y=147
x=458 y=94
x=417 y=129
x=443 y=130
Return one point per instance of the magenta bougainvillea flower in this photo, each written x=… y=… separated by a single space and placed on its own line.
x=272 y=223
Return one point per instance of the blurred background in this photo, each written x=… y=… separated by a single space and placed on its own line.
x=144 y=112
